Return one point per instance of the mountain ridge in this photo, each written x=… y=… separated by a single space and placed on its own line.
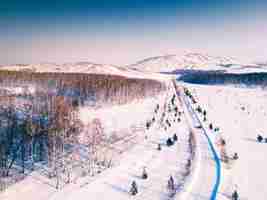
x=155 y=64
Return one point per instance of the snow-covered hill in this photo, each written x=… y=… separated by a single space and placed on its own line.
x=169 y=63
x=79 y=67
x=145 y=68
x=82 y=67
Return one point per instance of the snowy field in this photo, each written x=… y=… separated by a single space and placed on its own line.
x=122 y=117
x=115 y=183
x=241 y=114
x=141 y=152
x=160 y=165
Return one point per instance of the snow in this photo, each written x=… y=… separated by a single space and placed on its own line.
x=83 y=67
x=187 y=60
x=241 y=114
x=116 y=180
x=205 y=175
x=115 y=183
x=196 y=61
x=121 y=117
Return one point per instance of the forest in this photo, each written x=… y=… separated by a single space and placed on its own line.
x=40 y=127
x=219 y=77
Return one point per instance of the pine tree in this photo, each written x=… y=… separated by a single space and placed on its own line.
x=175 y=138
x=235 y=157
x=235 y=195
x=134 y=189
x=159 y=147
x=211 y=126
x=144 y=174
x=169 y=142
x=259 y=138
x=170 y=184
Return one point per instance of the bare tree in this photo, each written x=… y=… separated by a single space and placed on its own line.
x=94 y=140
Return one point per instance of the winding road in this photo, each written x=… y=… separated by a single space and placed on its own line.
x=205 y=180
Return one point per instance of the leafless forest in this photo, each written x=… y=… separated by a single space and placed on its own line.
x=40 y=128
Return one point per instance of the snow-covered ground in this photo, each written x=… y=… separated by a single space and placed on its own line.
x=202 y=183
x=115 y=183
x=241 y=114
x=143 y=152
x=120 y=117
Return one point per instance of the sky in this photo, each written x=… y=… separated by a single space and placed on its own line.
x=124 y=31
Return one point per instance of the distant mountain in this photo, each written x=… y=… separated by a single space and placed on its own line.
x=81 y=67
x=169 y=63
x=261 y=63
x=147 y=67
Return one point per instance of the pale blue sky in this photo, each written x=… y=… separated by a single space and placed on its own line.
x=124 y=31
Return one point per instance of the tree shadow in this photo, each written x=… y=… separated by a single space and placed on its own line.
x=117 y=188
x=135 y=176
x=250 y=139
x=225 y=194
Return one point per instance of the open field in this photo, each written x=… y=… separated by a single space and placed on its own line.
x=240 y=114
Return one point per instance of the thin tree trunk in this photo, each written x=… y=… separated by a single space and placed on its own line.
x=32 y=152
x=23 y=156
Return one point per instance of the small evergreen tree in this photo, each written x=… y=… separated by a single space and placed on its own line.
x=211 y=126
x=172 y=100
x=175 y=138
x=169 y=142
x=188 y=164
x=223 y=142
x=235 y=195
x=147 y=125
x=199 y=109
x=259 y=138
x=216 y=129
x=134 y=189
x=170 y=184
x=144 y=174
x=235 y=157
x=168 y=123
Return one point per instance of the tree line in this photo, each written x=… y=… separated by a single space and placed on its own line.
x=213 y=77
x=110 y=89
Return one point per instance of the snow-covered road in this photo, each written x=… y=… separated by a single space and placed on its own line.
x=205 y=179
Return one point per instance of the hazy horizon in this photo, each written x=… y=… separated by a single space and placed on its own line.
x=122 y=32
